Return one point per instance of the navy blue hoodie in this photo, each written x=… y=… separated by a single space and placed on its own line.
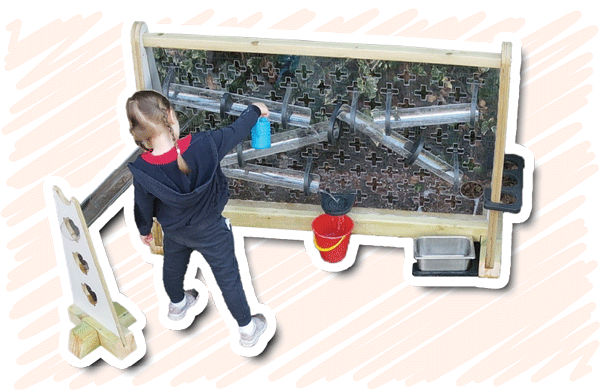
x=178 y=200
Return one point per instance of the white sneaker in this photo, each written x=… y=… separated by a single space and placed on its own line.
x=176 y=313
x=260 y=325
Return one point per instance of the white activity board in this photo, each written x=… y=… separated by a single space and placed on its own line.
x=88 y=284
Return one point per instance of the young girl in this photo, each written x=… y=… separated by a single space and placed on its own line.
x=179 y=181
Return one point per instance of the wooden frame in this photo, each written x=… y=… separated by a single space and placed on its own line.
x=367 y=221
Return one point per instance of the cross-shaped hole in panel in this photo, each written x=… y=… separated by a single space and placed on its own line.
x=439 y=135
x=407 y=77
x=421 y=174
x=457 y=94
x=304 y=72
x=372 y=104
x=266 y=189
x=322 y=87
x=374 y=159
x=360 y=196
x=423 y=92
x=339 y=74
x=358 y=169
x=390 y=172
x=357 y=144
x=341 y=157
x=306 y=99
x=288 y=82
x=296 y=194
x=453 y=201
x=326 y=167
x=270 y=72
x=254 y=83
x=470 y=164
x=406 y=103
x=295 y=165
x=422 y=200
x=342 y=182
x=237 y=68
x=274 y=97
x=391 y=197
x=223 y=80
x=374 y=183
x=236 y=186
x=203 y=66
x=472 y=137
x=309 y=152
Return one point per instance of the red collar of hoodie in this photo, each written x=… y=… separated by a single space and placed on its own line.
x=169 y=156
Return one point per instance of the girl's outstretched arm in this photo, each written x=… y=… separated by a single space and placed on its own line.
x=229 y=136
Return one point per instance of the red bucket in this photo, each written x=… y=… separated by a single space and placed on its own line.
x=332 y=235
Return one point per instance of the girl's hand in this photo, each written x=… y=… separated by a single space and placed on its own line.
x=147 y=240
x=264 y=111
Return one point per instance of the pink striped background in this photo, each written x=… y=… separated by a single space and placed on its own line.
x=64 y=74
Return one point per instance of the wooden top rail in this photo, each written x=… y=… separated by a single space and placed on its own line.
x=325 y=49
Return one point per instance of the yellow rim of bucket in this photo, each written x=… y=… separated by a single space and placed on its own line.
x=330 y=248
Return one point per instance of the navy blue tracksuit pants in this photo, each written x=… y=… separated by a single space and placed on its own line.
x=215 y=243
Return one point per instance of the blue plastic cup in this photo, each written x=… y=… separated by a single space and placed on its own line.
x=261 y=134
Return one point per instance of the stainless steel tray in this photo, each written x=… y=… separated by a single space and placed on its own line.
x=444 y=253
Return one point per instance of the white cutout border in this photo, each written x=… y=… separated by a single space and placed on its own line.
x=126 y=202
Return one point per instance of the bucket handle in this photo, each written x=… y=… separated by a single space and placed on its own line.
x=330 y=248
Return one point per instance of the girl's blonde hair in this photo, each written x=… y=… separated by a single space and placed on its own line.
x=148 y=114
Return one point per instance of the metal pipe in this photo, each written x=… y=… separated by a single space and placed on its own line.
x=282 y=142
x=210 y=100
x=399 y=144
x=287 y=178
x=108 y=191
x=427 y=116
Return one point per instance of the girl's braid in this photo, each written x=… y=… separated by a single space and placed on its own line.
x=181 y=164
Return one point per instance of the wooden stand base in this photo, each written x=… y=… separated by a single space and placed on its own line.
x=89 y=334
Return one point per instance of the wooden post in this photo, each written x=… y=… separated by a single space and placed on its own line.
x=138 y=52
x=495 y=217
x=146 y=75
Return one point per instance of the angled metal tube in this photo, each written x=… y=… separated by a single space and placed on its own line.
x=400 y=145
x=281 y=142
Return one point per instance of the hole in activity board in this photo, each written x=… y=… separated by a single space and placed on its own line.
x=69 y=229
x=83 y=265
x=90 y=294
